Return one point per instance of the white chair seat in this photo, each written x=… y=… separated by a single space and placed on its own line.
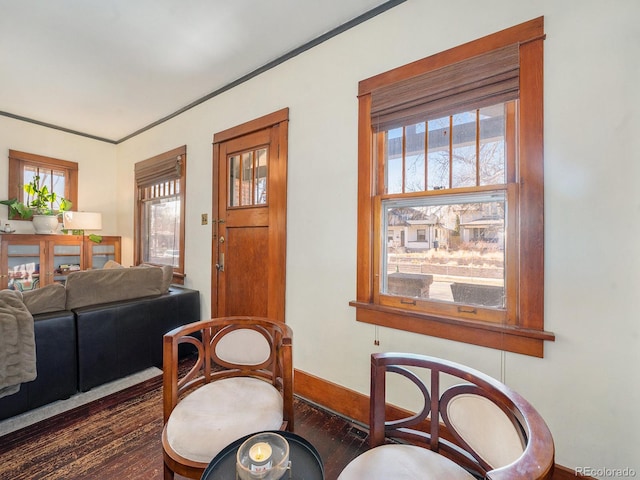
x=216 y=414
x=403 y=462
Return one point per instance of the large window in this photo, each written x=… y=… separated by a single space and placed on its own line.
x=450 y=214
x=60 y=176
x=159 y=212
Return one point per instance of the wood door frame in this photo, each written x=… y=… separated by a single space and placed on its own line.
x=277 y=206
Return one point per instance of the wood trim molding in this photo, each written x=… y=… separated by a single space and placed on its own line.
x=355 y=407
x=501 y=337
x=253 y=125
x=17 y=162
x=269 y=131
x=346 y=402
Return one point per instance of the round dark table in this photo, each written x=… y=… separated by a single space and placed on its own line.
x=306 y=463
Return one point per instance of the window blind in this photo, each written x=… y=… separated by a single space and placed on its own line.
x=477 y=82
x=152 y=171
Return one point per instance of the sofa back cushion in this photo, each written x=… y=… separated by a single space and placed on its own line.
x=93 y=287
x=50 y=298
x=167 y=274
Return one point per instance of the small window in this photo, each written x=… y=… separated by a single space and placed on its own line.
x=60 y=176
x=160 y=211
x=248 y=178
x=450 y=160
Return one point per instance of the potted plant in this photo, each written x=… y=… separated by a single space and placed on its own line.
x=42 y=206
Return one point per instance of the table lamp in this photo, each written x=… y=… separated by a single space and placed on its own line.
x=78 y=222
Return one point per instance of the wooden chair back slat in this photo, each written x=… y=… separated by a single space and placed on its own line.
x=203 y=337
x=443 y=437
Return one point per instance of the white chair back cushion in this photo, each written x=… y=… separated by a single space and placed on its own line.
x=403 y=462
x=216 y=414
x=243 y=347
x=486 y=429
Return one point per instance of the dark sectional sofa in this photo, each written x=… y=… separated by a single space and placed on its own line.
x=81 y=346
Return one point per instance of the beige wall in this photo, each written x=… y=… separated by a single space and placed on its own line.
x=586 y=385
x=96 y=164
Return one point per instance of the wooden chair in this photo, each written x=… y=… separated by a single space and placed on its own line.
x=486 y=430
x=240 y=383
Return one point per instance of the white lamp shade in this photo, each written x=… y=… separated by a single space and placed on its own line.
x=82 y=220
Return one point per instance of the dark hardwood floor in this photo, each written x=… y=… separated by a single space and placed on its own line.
x=119 y=437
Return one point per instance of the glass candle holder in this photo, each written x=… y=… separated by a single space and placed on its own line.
x=263 y=456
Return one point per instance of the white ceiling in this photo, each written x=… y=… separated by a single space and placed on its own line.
x=109 y=68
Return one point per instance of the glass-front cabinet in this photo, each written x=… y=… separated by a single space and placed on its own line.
x=97 y=254
x=67 y=256
x=21 y=264
x=31 y=261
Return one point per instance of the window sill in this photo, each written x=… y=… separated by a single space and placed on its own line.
x=502 y=337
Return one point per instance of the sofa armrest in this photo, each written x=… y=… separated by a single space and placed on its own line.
x=56 y=363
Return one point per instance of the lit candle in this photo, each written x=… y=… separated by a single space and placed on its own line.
x=260 y=455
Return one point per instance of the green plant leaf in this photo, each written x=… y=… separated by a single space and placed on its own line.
x=39 y=201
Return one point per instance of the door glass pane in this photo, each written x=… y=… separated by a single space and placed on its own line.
x=71 y=250
x=101 y=254
x=261 y=177
x=247 y=179
x=234 y=181
x=23 y=250
x=23 y=267
x=448 y=248
x=66 y=258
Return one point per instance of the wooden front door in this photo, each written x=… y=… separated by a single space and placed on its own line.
x=249 y=224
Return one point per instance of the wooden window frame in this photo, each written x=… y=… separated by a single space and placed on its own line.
x=155 y=170
x=524 y=331
x=19 y=160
